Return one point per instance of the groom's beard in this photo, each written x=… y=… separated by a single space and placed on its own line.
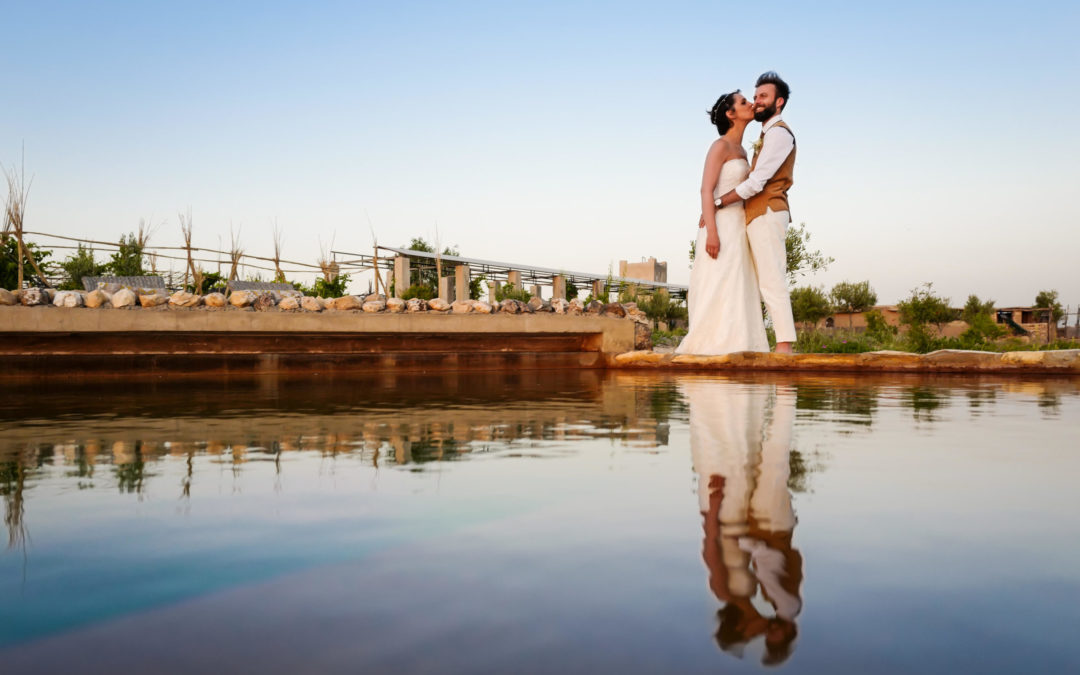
x=765 y=114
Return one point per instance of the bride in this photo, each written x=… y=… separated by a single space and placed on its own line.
x=724 y=300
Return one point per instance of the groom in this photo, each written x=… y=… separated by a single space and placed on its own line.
x=767 y=214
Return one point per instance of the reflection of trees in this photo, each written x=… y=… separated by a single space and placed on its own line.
x=12 y=483
x=853 y=405
x=923 y=401
x=131 y=473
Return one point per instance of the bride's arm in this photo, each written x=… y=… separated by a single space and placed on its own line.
x=709 y=178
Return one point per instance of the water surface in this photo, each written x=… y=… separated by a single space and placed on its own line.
x=539 y=522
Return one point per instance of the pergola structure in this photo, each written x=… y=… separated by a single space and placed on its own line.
x=400 y=261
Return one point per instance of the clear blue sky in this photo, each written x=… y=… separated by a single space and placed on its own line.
x=937 y=141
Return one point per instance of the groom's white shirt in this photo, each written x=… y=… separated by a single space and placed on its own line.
x=775 y=148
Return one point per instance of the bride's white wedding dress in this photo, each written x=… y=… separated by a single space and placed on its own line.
x=724 y=300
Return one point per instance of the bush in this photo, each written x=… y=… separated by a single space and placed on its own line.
x=80 y=264
x=1049 y=300
x=853 y=297
x=9 y=268
x=323 y=288
x=922 y=308
x=809 y=305
x=422 y=291
x=127 y=261
x=214 y=282
x=508 y=292
x=878 y=329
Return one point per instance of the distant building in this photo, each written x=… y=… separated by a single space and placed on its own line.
x=856 y=321
x=646 y=270
x=1037 y=321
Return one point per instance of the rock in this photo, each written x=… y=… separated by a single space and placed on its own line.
x=509 y=306
x=536 y=304
x=124 y=298
x=7 y=297
x=291 y=294
x=289 y=303
x=613 y=309
x=461 y=307
x=594 y=307
x=311 y=304
x=68 y=299
x=644 y=358
x=395 y=305
x=374 y=297
x=51 y=293
x=184 y=299
x=373 y=306
x=481 y=307
x=637 y=315
x=33 y=296
x=346 y=303
x=642 y=336
x=96 y=299
x=210 y=300
x=438 y=305
x=560 y=306
x=264 y=302
x=241 y=298
x=416 y=305
x=576 y=307
x=153 y=299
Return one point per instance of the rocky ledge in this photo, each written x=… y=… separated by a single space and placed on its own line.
x=1065 y=361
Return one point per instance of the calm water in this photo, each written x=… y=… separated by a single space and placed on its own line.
x=542 y=522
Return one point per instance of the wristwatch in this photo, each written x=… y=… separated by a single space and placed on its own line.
x=719 y=203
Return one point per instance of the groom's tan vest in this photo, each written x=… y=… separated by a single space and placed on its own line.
x=774 y=195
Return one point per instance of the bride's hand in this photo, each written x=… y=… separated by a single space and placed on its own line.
x=712 y=245
x=701 y=221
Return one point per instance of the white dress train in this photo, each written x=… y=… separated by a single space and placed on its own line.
x=724 y=301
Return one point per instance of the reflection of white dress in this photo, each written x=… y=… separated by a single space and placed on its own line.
x=724 y=300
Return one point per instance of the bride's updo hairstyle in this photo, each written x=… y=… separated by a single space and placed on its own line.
x=718 y=114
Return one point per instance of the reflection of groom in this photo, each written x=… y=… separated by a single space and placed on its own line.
x=767 y=214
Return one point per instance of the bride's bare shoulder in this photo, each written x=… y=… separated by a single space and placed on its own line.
x=721 y=149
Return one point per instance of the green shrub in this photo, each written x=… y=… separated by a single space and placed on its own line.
x=127 y=260
x=853 y=297
x=508 y=292
x=80 y=264
x=809 y=305
x=422 y=291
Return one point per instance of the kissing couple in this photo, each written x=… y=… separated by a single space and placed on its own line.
x=743 y=227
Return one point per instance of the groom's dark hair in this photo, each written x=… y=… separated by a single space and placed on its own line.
x=782 y=89
x=718 y=113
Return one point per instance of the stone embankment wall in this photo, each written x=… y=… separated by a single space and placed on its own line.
x=101 y=333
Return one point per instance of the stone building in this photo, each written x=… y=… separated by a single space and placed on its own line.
x=646 y=270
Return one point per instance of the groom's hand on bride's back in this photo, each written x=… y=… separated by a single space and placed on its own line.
x=701 y=221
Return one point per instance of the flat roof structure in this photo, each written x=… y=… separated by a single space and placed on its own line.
x=498 y=270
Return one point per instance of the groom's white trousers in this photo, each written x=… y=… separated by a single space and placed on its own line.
x=767 y=234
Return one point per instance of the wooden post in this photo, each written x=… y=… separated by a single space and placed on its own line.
x=491 y=292
x=597 y=289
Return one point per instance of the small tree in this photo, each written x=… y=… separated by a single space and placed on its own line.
x=979 y=316
x=975 y=309
x=853 y=297
x=922 y=308
x=127 y=260
x=800 y=259
x=80 y=264
x=809 y=305
x=1049 y=300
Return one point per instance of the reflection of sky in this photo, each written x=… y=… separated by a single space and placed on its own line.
x=930 y=543
x=586 y=121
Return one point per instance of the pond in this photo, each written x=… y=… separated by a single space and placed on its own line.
x=541 y=522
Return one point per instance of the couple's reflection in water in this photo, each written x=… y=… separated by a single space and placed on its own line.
x=740 y=438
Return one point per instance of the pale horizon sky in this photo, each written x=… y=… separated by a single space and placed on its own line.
x=935 y=139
